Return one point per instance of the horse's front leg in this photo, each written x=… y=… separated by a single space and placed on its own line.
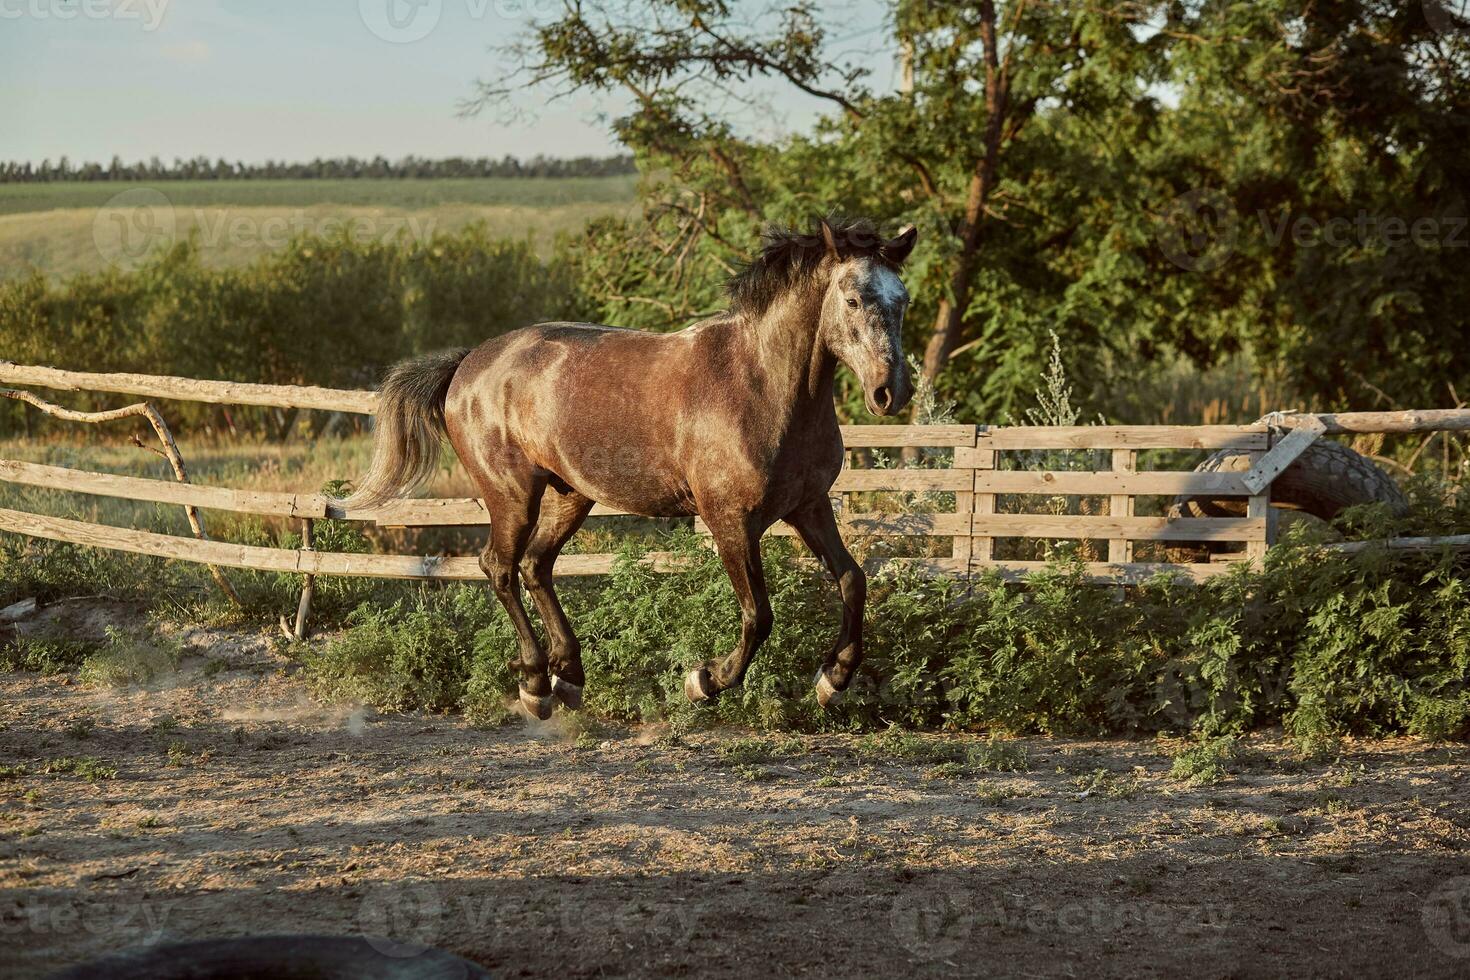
x=818 y=528
x=738 y=543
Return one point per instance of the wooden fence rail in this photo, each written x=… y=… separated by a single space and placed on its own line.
x=979 y=486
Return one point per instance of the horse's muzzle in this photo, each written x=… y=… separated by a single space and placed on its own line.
x=889 y=398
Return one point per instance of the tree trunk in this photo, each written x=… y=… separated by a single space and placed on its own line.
x=949 y=321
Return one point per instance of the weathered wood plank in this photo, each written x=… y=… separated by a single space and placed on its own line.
x=1120 y=549
x=1259 y=508
x=1108 y=528
x=1122 y=437
x=163 y=492
x=981 y=504
x=1101 y=571
x=1090 y=483
x=1415 y=420
x=188 y=389
x=891 y=525
x=900 y=480
x=1283 y=454
x=878 y=436
x=434 y=512
x=1455 y=542
x=280 y=559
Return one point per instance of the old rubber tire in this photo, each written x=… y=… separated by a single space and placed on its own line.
x=1323 y=481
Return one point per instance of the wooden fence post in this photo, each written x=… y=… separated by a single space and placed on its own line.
x=982 y=548
x=308 y=587
x=1120 y=550
x=1260 y=506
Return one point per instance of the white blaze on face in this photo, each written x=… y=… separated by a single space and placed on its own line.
x=888 y=288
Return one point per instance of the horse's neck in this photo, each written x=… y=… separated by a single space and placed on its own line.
x=785 y=350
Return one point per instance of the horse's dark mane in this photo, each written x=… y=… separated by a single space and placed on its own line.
x=789 y=257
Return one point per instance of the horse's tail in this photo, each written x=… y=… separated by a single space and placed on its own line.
x=410 y=425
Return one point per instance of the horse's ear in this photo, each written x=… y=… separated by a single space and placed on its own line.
x=897 y=249
x=829 y=237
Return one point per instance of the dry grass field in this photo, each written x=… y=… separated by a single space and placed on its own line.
x=66 y=229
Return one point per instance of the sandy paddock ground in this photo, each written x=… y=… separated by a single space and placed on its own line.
x=240 y=807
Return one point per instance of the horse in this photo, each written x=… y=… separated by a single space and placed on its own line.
x=731 y=419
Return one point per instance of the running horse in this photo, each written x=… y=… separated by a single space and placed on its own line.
x=730 y=419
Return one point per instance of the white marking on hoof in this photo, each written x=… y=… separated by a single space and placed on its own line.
x=695 y=687
x=566 y=692
x=537 y=707
x=827 y=695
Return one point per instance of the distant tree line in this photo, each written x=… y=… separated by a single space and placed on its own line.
x=336 y=168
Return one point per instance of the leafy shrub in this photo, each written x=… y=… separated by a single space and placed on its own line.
x=125 y=659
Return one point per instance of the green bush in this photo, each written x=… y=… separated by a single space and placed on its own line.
x=1322 y=643
x=328 y=311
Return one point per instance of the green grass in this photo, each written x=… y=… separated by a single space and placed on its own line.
x=409 y=194
x=89 y=768
x=1205 y=763
x=125 y=659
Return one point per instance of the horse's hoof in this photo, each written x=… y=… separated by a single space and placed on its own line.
x=698 y=686
x=537 y=706
x=566 y=692
x=827 y=695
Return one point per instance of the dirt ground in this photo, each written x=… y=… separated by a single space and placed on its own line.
x=240 y=807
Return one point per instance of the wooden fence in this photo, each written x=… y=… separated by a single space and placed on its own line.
x=976 y=487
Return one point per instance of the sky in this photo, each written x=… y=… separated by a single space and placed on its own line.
x=253 y=80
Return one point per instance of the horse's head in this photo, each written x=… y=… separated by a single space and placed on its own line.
x=862 y=315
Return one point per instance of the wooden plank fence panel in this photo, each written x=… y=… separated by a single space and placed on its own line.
x=903 y=480
x=163 y=491
x=1120 y=549
x=1064 y=483
x=892 y=525
x=1107 y=528
x=281 y=559
x=188 y=389
x=881 y=436
x=1123 y=437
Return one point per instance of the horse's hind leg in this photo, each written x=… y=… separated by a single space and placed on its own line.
x=562 y=513
x=513 y=503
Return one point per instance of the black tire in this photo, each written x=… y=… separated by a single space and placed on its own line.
x=1323 y=481
x=281 y=958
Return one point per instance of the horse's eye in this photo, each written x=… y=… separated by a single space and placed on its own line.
x=852 y=304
